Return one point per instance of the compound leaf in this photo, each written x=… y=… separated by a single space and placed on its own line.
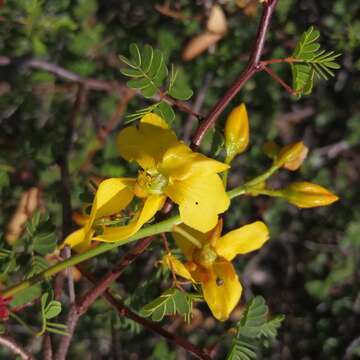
x=310 y=61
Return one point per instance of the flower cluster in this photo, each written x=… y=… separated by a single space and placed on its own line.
x=168 y=168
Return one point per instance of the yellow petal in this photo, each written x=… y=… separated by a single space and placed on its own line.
x=185 y=245
x=223 y=290
x=243 y=240
x=151 y=205
x=177 y=267
x=200 y=200
x=155 y=120
x=180 y=162
x=79 y=240
x=112 y=196
x=147 y=143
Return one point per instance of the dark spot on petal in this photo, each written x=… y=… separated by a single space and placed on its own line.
x=219 y=282
x=196 y=203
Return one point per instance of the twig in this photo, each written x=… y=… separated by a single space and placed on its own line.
x=67 y=210
x=77 y=310
x=124 y=311
x=69 y=275
x=100 y=289
x=14 y=347
x=182 y=106
x=90 y=84
x=64 y=162
x=113 y=275
x=251 y=69
x=64 y=345
x=289 y=60
x=47 y=347
x=279 y=80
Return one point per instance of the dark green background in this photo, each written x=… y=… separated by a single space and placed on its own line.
x=309 y=271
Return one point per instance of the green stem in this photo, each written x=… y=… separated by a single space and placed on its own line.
x=238 y=191
x=225 y=178
x=164 y=226
x=258 y=180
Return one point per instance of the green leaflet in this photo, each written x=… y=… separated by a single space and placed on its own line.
x=165 y=111
x=26 y=296
x=146 y=67
x=252 y=328
x=310 y=60
x=171 y=302
x=49 y=310
x=178 y=87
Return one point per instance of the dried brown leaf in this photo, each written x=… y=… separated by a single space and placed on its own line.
x=199 y=44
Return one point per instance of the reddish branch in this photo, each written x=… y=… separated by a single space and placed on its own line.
x=14 y=347
x=114 y=274
x=63 y=163
x=91 y=84
x=88 y=83
x=278 y=79
x=253 y=66
x=100 y=289
x=124 y=311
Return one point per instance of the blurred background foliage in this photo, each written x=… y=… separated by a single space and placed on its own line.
x=309 y=271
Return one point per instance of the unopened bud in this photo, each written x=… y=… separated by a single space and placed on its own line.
x=292 y=156
x=236 y=132
x=308 y=195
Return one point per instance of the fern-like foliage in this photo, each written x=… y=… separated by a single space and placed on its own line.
x=253 y=328
x=310 y=61
x=147 y=69
x=172 y=301
x=149 y=74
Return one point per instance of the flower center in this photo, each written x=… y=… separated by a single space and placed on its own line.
x=150 y=182
x=205 y=256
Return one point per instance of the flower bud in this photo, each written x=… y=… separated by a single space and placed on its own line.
x=236 y=132
x=308 y=195
x=292 y=156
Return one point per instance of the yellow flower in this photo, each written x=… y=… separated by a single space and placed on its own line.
x=209 y=259
x=307 y=195
x=236 y=132
x=170 y=168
